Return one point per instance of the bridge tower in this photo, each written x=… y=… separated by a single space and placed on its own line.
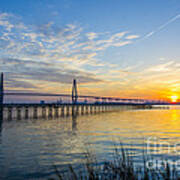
x=74 y=92
x=2 y=89
x=1 y=98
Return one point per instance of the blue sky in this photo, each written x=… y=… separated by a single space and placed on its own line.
x=120 y=48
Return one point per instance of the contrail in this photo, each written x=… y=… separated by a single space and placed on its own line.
x=162 y=26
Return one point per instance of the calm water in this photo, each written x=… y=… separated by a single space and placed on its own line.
x=29 y=148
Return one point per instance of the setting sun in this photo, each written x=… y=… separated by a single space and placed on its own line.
x=174 y=98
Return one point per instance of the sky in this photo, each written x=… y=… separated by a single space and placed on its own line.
x=117 y=48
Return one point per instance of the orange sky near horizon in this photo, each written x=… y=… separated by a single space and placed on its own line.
x=118 y=58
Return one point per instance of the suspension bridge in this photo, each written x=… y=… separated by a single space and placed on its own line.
x=100 y=104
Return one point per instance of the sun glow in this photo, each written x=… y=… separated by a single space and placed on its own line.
x=174 y=98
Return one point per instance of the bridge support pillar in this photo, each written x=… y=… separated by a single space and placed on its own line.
x=77 y=109
x=26 y=113
x=99 y=108
x=56 y=111
x=35 y=112
x=62 y=111
x=73 y=110
x=95 y=109
x=106 y=108
x=67 y=110
x=87 y=109
x=18 y=109
x=9 y=113
x=50 y=112
x=74 y=92
x=91 y=109
x=102 y=108
x=1 y=96
x=43 y=112
x=110 y=108
x=82 y=109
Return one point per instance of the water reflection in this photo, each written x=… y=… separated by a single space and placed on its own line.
x=174 y=115
x=61 y=141
x=1 y=118
x=74 y=120
x=1 y=121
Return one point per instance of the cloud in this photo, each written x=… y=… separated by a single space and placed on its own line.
x=91 y=35
x=165 y=67
x=4 y=21
x=155 y=81
x=132 y=37
x=47 y=54
x=112 y=40
x=52 y=41
x=14 y=83
x=119 y=44
x=32 y=71
x=163 y=77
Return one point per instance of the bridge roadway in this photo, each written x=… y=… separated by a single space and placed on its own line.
x=19 y=111
x=79 y=96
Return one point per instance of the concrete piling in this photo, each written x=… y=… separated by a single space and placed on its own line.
x=56 y=112
x=62 y=111
x=9 y=113
x=50 y=113
x=18 y=109
x=35 y=112
x=43 y=112
x=26 y=112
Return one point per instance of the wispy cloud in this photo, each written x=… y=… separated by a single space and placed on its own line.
x=154 y=81
x=92 y=35
x=161 y=68
x=132 y=37
x=160 y=77
x=33 y=73
x=32 y=51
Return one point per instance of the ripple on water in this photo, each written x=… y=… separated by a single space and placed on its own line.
x=29 y=148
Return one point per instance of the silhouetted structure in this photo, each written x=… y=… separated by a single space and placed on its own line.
x=74 y=92
x=98 y=99
x=1 y=97
x=2 y=89
x=33 y=110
